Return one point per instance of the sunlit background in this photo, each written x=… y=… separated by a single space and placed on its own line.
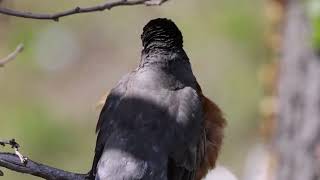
x=49 y=94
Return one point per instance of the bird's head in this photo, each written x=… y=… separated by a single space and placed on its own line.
x=161 y=33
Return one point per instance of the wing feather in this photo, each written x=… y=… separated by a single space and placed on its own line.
x=105 y=118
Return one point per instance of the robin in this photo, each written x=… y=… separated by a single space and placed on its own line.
x=156 y=124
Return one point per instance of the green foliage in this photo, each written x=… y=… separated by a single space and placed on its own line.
x=314 y=15
x=316 y=33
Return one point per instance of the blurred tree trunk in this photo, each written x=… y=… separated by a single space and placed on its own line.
x=298 y=128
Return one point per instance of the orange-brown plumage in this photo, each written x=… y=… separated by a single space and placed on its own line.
x=212 y=136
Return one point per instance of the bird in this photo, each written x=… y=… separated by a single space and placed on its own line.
x=156 y=123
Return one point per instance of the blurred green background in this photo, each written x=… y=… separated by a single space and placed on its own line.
x=49 y=93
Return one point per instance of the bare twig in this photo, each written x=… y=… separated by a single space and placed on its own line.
x=12 y=162
x=11 y=56
x=155 y=2
x=78 y=10
x=19 y=163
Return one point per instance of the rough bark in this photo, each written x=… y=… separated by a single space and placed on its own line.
x=298 y=128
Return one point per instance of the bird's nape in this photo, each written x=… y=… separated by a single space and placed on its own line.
x=161 y=32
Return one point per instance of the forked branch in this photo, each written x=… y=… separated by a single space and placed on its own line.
x=11 y=56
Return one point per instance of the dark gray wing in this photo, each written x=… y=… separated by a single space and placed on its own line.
x=209 y=142
x=106 y=118
x=184 y=158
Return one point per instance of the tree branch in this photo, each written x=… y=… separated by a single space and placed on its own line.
x=78 y=10
x=11 y=56
x=12 y=162
x=19 y=163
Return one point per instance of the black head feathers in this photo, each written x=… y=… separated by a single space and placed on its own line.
x=161 y=33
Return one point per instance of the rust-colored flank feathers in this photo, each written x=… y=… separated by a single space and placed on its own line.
x=214 y=124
